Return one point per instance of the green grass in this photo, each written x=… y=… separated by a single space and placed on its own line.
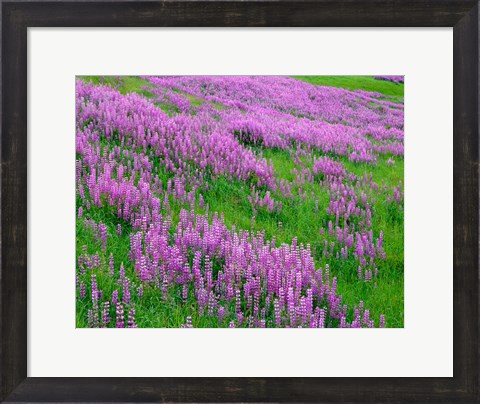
x=124 y=84
x=298 y=217
x=365 y=83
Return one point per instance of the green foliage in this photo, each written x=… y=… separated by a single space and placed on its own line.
x=365 y=83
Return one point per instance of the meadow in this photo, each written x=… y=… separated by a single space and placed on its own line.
x=229 y=201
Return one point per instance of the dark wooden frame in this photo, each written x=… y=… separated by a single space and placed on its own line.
x=462 y=15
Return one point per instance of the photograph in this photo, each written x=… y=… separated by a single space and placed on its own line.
x=239 y=201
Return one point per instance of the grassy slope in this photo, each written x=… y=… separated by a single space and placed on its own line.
x=298 y=219
x=365 y=83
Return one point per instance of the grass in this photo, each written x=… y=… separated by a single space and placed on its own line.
x=298 y=218
x=124 y=84
x=365 y=83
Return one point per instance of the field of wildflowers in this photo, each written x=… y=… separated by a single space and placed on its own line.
x=229 y=201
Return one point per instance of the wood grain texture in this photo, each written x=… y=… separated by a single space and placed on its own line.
x=17 y=16
x=327 y=13
x=13 y=321
x=239 y=389
x=466 y=198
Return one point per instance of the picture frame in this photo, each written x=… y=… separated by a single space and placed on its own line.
x=463 y=16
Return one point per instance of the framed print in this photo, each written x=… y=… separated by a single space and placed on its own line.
x=205 y=185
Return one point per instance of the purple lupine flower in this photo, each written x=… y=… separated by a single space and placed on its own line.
x=240 y=318
x=237 y=301
x=119 y=316
x=90 y=319
x=221 y=313
x=83 y=291
x=94 y=290
x=366 y=316
x=131 y=319
x=111 y=265
x=126 y=291
x=278 y=319
x=102 y=229
x=105 y=314
x=114 y=297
